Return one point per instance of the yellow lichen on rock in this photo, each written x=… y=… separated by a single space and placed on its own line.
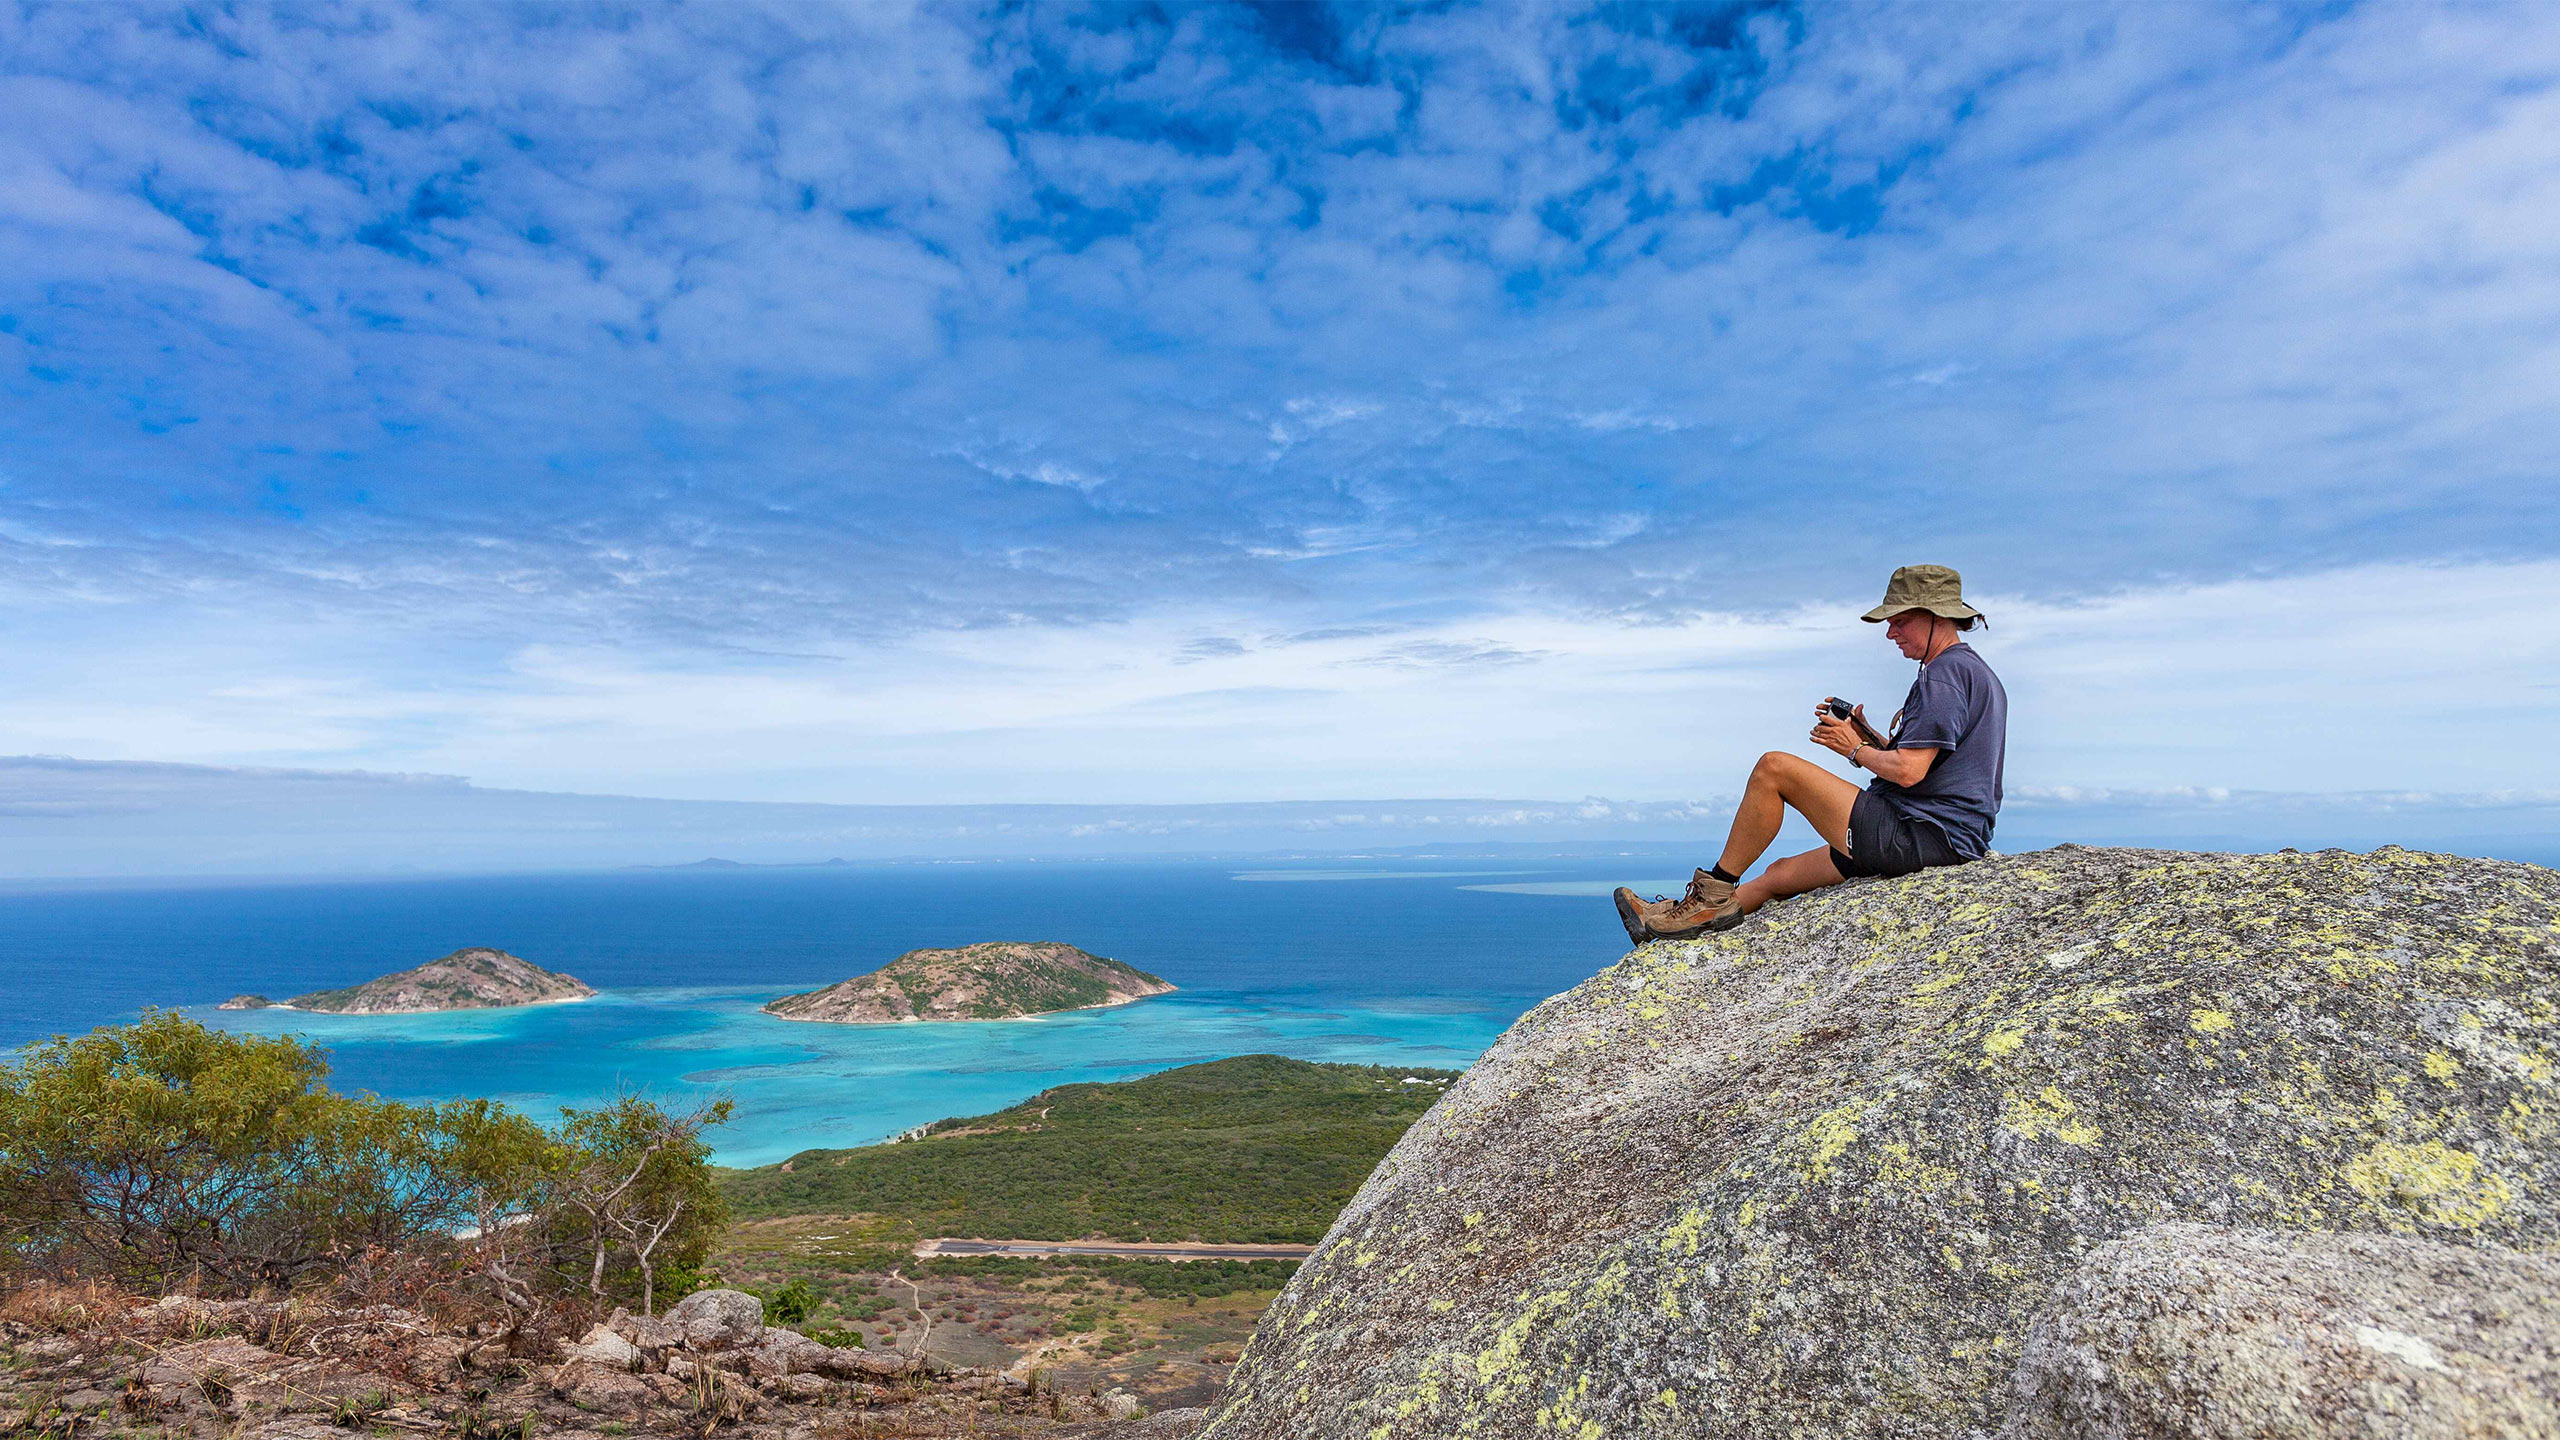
x=2432 y=1182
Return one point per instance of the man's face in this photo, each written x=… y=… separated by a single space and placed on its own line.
x=1909 y=632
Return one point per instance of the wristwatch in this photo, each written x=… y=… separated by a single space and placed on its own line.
x=1853 y=755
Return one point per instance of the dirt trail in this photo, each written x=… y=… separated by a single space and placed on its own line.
x=926 y=1250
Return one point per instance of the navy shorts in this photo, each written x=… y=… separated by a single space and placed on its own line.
x=1884 y=841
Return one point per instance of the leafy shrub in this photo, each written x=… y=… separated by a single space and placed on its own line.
x=791 y=1304
x=161 y=1148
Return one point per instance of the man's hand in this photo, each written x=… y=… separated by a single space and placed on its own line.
x=1837 y=735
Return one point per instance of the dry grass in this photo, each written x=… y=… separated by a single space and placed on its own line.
x=66 y=1307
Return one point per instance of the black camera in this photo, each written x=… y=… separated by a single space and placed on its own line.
x=1842 y=710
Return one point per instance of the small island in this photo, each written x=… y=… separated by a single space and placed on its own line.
x=996 y=980
x=478 y=978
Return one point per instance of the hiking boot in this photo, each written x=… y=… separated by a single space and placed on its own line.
x=1709 y=905
x=1638 y=914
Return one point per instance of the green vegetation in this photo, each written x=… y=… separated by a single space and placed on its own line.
x=1029 y=988
x=992 y=980
x=1253 y=1149
x=791 y=1305
x=160 y=1149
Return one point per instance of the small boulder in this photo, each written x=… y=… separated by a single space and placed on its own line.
x=710 y=1320
x=438 y=1355
x=651 y=1333
x=1121 y=1405
x=218 y=1361
x=787 y=1352
x=1163 y=1425
x=590 y=1386
x=603 y=1347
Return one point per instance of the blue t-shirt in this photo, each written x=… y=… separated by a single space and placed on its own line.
x=1958 y=709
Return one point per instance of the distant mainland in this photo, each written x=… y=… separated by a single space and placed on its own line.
x=994 y=980
x=716 y=863
x=476 y=978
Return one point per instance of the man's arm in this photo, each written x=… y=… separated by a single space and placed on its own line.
x=1902 y=767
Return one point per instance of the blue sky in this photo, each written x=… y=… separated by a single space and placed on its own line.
x=1216 y=403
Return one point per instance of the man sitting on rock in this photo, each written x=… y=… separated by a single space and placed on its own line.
x=1936 y=791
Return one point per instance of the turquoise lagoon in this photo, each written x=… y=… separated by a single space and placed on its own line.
x=1400 y=962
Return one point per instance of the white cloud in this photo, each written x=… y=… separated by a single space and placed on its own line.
x=2364 y=680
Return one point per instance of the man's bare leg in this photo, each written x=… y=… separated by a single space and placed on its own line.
x=1779 y=781
x=1792 y=876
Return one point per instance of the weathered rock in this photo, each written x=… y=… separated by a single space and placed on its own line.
x=218 y=1361
x=1163 y=1425
x=787 y=1352
x=650 y=1332
x=602 y=1346
x=590 y=1386
x=296 y=1427
x=710 y=1320
x=440 y=1355
x=1819 y=1175
x=2187 y=1332
x=1120 y=1405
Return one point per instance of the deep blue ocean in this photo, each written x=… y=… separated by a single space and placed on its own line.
x=1418 y=963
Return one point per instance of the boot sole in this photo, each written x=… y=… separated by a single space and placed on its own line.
x=1631 y=915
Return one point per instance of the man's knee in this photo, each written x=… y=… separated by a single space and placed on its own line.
x=1771 y=765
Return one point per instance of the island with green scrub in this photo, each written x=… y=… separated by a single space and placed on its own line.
x=995 y=980
x=478 y=978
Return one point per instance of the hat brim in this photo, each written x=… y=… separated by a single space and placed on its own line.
x=1957 y=611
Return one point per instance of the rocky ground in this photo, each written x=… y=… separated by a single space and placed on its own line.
x=85 y=1361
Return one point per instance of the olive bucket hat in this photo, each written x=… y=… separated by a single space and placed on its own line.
x=1934 y=588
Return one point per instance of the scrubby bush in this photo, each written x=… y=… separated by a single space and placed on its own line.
x=162 y=1150
x=791 y=1304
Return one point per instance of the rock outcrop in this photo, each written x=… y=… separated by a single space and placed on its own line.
x=997 y=980
x=475 y=979
x=2190 y=1332
x=83 y=1360
x=1839 y=1171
